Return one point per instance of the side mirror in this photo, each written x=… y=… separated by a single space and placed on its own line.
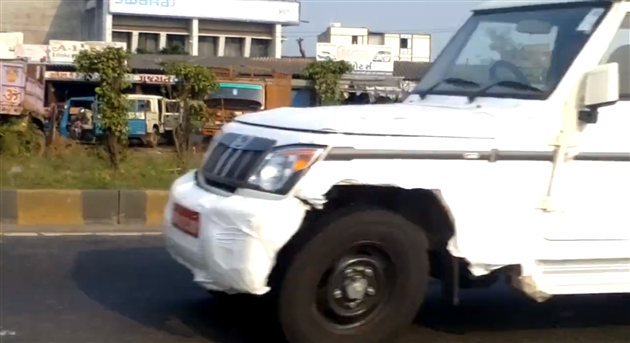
x=601 y=88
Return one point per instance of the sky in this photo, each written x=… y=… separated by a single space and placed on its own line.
x=440 y=18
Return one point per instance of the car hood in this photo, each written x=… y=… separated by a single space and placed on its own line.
x=379 y=119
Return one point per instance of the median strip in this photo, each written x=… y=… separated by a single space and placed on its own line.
x=81 y=211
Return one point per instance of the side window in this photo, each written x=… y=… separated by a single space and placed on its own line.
x=619 y=51
x=144 y=106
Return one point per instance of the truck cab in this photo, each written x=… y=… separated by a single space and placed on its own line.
x=510 y=158
x=146 y=118
x=149 y=117
x=233 y=99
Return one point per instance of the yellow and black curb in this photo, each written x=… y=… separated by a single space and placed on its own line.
x=75 y=208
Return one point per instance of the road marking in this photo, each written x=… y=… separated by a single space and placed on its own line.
x=20 y=234
x=7 y=333
x=121 y=233
x=57 y=234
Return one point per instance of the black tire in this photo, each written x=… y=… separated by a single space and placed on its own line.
x=153 y=138
x=403 y=282
x=38 y=145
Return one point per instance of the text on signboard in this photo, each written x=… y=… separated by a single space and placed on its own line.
x=155 y=3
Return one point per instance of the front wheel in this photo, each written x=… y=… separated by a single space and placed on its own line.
x=362 y=278
x=153 y=138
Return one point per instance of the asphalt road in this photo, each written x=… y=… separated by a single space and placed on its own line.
x=127 y=289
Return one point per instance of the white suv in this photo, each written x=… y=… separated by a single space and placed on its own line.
x=511 y=157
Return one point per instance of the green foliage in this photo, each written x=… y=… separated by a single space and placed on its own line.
x=173 y=49
x=111 y=65
x=326 y=76
x=194 y=83
x=20 y=138
x=78 y=167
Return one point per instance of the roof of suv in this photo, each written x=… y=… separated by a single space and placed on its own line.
x=496 y=4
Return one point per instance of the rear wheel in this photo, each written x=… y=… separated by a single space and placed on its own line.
x=362 y=278
x=153 y=138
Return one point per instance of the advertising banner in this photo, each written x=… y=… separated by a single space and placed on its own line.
x=64 y=51
x=364 y=58
x=264 y=11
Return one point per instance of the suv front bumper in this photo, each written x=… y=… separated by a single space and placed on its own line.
x=239 y=237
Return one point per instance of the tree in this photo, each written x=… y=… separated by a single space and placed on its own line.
x=111 y=66
x=173 y=49
x=326 y=76
x=193 y=84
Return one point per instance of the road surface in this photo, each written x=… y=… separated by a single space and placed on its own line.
x=127 y=289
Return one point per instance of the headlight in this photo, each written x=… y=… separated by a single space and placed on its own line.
x=282 y=167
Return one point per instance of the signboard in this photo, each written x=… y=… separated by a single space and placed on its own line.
x=33 y=52
x=64 y=51
x=149 y=79
x=11 y=88
x=264 y=11
x=364 y=58
x=8 y=42
x=152 y=79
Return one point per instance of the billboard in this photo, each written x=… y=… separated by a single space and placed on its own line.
x=64 y=51
x=33 y=52
x=264 y=11
x=364 y=58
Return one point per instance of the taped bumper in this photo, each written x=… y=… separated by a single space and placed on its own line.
x=238 y=240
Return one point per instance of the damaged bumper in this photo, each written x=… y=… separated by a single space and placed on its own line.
x=238 y=238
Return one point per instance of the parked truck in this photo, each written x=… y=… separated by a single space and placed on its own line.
x=150 y=118
x=238 y=96
x=22 y=99
x=511 y=158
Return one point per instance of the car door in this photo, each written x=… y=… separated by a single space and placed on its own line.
x=590 y=238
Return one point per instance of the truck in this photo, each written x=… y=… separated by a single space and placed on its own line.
x=238 y=96
x=22 y=99
x=509 y=162
x=150 y=117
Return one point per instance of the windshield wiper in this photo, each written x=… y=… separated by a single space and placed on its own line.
x=451 y=81
x=505 y=83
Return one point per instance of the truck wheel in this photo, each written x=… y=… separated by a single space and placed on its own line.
x=153 y=138
x=38 y=146
x=361 y=278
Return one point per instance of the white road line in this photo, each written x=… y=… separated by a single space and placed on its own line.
x=7 y=333
x=57 y=234
x=122 y=233
x=20 y=234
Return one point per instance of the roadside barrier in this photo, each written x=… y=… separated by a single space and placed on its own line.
x=82 y=207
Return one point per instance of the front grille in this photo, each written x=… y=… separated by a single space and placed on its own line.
x=234 y=159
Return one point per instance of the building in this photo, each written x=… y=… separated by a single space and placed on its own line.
x=234 y=28
x=386 y=47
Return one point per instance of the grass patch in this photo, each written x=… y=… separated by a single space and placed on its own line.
x=80 y=167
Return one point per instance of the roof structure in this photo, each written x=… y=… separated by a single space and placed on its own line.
x=498 y=4
x=239 y=65
x=412 y=71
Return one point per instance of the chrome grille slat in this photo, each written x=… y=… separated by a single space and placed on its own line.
x=230 y=163
x=227 y=165
x=221 y=161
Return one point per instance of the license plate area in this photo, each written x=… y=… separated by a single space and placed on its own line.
x=186 y=220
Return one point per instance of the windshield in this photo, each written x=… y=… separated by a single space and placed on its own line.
x=237 y=95
x=135 y=105
x=530 y=48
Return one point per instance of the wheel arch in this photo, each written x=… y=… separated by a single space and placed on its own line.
x=425 y=207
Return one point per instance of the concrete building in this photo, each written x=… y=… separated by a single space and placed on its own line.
x=235 y=28
x=41 y=21
x=403 y=47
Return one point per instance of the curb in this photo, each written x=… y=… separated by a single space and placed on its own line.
x=75 y=209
